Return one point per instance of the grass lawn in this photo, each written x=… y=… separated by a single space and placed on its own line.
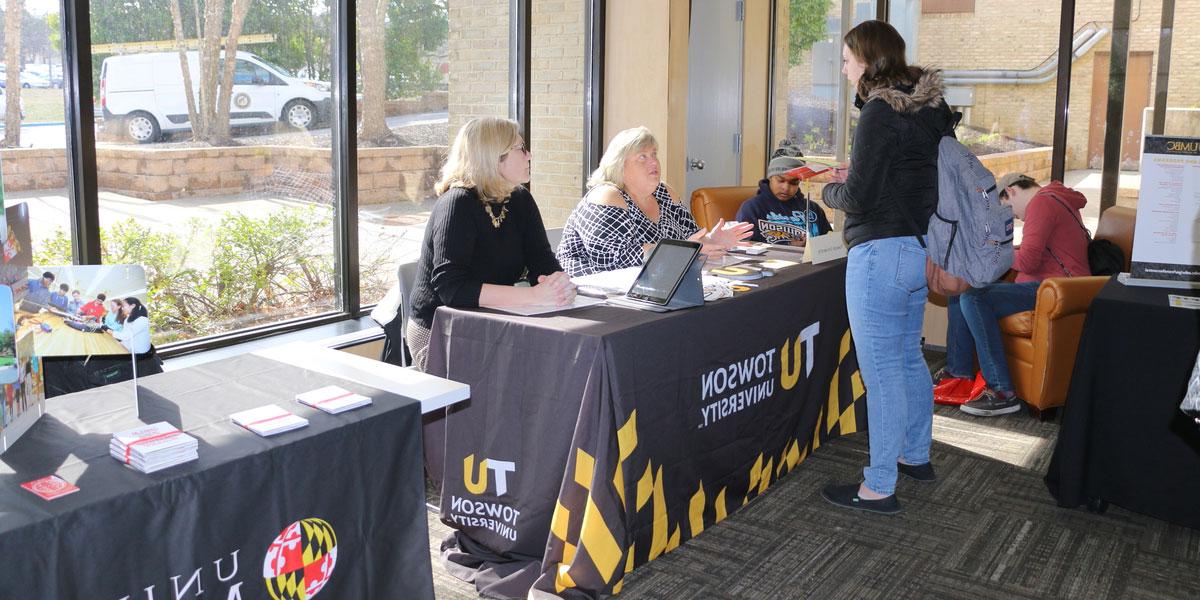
x=42 y=105
x=7 y=361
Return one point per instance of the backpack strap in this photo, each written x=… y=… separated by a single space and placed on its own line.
x=1074 y=217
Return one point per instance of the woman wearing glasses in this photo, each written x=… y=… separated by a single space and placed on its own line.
x=484 y=235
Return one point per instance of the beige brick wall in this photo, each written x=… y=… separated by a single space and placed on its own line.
x=1013 y=34
x=556 y=86
x=478 y=41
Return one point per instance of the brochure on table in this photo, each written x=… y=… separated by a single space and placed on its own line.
x=1166 y=242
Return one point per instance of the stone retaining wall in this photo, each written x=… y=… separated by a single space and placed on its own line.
x=34 y=168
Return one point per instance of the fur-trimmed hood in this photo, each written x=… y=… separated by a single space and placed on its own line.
x=928 y=91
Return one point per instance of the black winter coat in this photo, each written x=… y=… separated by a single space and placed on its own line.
x=893 y=162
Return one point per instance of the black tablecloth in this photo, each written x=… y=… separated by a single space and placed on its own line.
x=351 y=482
x=597 y=439
x=1123 y=438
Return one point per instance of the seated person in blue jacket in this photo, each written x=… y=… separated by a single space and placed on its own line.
x=1053 y=244
x=60 y=298
x=779 y=213
x=484 y=235
x=39 y=289
x=628 y=209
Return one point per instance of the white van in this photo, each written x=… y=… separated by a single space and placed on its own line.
x=145 y=93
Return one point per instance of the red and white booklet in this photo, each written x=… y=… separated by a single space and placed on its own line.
x=50 y=487
x=811 y=168
x=268 y=420
x=153 y=447
x=332 y=399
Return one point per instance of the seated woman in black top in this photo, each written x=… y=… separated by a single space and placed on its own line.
x=484 y=235
x=628 y=209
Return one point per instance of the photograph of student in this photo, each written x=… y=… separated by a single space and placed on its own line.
x=628 y=209
x=75 y=303
x=1053 y=244
x=60 y=298
x=39 y=289
x=115 y=315
x=779 y=201
x=94 y=308
x=893 y=168
x=485 y=234
x=135 y=336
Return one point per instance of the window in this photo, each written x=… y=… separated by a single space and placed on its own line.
x=425 y=68
x=226 y=199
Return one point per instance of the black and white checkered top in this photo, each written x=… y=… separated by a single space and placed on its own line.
x=601 y=237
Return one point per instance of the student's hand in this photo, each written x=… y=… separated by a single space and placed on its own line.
x=839 y=174
x=554 y=289
x=798 y=242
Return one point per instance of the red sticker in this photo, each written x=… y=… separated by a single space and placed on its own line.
x=50 y=487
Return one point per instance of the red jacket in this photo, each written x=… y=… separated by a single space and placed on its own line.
x=95 y=308
x=1052 y=231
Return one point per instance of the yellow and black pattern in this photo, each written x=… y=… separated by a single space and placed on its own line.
x=615 y=515
x=302 y=569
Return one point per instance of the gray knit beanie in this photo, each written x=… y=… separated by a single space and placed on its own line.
x=785 y=158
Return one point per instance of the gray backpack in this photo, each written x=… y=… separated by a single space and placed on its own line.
x=971 y=232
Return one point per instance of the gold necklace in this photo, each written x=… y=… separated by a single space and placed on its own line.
x=497 y=219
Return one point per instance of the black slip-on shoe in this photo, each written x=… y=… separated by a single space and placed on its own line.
x=847 y=496
x=923 y=473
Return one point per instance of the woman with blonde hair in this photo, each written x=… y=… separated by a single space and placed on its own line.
x=484 y=235
x=628 y=209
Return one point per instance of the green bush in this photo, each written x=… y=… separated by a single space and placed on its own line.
x=257 y=269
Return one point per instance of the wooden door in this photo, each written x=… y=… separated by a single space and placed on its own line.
x=1137 y=98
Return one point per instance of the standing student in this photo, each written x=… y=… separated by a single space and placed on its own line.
x=892 y=182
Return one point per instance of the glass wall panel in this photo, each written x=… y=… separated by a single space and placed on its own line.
x=425 y=68
x=33 y=154
x=214 y=168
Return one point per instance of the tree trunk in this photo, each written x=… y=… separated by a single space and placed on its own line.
x=188 y=90
x=210 y=51
x=12 y=83
x=374 y=72
x=237 y=16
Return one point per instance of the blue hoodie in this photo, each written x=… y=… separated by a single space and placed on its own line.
x=765 y=207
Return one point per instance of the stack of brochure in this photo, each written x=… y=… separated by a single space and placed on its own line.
x=154 y=447
x=268 y=420
x=333 y=399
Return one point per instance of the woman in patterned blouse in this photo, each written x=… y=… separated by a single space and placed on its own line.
x=628 y=209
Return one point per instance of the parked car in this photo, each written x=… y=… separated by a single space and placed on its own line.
x=31 y=80
x=146 y=92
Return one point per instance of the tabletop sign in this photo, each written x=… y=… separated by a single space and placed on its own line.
x=1166 y=241
x=824 y=248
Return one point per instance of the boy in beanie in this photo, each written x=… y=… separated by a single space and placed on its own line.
x=779 y=212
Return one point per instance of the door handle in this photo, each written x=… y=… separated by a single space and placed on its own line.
x=695 y=164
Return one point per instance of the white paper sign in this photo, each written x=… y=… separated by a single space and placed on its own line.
x=824 y=248
x=1166 y=241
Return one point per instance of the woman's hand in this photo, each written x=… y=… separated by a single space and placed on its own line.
x=707 y=248
x=839 y=174
x=729 y=234
x=554 y=289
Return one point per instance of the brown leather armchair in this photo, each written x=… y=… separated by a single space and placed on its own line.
x=1116 y=226
x=1040 y=344
x=714 y=203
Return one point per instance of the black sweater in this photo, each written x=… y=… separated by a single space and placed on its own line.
x=462 y=251
x=893 y=163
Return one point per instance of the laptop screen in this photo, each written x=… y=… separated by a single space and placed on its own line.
x=663 y=271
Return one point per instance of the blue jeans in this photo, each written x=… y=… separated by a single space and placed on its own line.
x=974 y=327
x=885 y=300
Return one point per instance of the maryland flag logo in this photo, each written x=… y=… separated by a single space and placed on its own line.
x=300 y=560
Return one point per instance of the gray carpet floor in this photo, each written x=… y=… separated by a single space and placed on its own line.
x=986 y=529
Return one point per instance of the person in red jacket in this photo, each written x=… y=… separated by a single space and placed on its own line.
x=1053 y=244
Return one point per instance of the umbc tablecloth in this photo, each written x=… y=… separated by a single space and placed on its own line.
x=337 y=507
x=1123 y=438
x=598 y=439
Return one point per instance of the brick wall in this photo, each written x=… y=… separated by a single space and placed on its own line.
x=1009 y=34
x=478 y=41
x=557 y=107
x=34 y=169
